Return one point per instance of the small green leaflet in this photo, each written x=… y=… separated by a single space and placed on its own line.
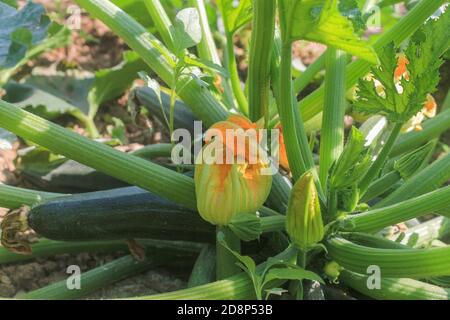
x=187 y=29
x=110 y=83
x=353 y=162
x=269 y=275
x=235 y=17
x=76 y=93
x=330 y=27
x=411 y=163
x=117 y=131
x=424 y=53
x=153 y=85
x=206 y=65
x=246 y=226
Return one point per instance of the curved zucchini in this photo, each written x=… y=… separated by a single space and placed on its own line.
x=123 y=213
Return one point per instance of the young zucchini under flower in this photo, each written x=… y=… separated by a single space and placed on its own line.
x=303 y=218
x=225 y=189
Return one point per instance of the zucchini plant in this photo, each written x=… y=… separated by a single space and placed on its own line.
x=326 y=215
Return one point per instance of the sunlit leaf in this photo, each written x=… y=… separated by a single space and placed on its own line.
x=321 y=21
x=187 y=29
x=235 y=16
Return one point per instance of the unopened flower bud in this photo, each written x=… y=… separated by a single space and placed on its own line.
x=303 y=219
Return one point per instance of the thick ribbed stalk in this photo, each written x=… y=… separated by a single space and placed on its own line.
x=332 y=132
x=308 y=75
x=297 y=147
x=381 y=185
x=225 y=260
x=312 y=104
x=411 y=263
x=234 y=75
x=376 y=219
x=273 y=223
x=161 y=21
x=201 y=101
x=136 y=171
x=207 y=49
x=379 y=162
x=432 y=128
x=395 y=288
x=428 y=179
x=14 y=197
x=263 y=28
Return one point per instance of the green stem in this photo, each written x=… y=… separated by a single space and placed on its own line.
x=393 y=263
x=207 y=49
x=426 y=180
x=395 y=288
x=263 y=28
x=161 y=21
x=301 y=262
x=332 y=133
x=225 y=260
x=376 y=219
x=88 y=122
x=379 y=162
x=234 y=75
x=153 y=151
x=332 y=203
x=381 y=185
x=14 y=197
x=155 y=178
x=308 y=75
x=297 y=147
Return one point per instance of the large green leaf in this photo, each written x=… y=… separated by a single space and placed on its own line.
x=321 y=21
x=186 y=29
x=20 y=30
x=51 y=96
x=111 y=83
x=423 y=55
x=234 y=17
